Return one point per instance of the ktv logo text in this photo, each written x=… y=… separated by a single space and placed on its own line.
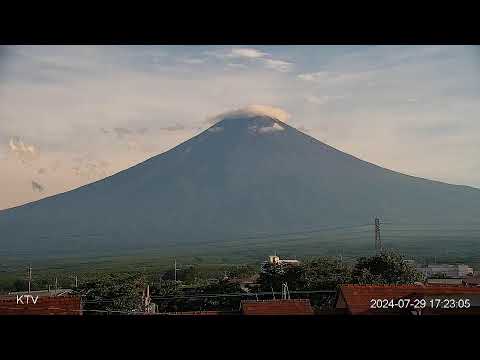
x=27 y=299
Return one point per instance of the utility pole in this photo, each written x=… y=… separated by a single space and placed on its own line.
x=76 y=281
x=56 y=284
x=146 y=300
x=378 y=241
x=29 y=278
x=285 y=292
x=175 y=270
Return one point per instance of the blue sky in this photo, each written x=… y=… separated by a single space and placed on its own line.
x=70 y=115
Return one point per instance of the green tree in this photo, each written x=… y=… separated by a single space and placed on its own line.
x=114 y=292
x=322 y=273
x=325 y=273
x=272 y=276
x=20 y=285
x=241 y=271
x=388 y=267
x=188 y=274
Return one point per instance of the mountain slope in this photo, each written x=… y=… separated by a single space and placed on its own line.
x=248 y=173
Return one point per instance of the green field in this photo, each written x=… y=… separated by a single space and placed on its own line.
x=424 y=248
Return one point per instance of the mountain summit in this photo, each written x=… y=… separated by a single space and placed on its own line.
x=249 y=172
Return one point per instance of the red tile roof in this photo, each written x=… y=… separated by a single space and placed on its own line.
x=277 y=307
x=44 y=305
x=356 y=299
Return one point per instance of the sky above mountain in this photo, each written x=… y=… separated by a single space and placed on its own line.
x=70 y=115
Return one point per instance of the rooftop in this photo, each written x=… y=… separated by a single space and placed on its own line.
x=356 y=299
x=277 y=307
x=52 y=292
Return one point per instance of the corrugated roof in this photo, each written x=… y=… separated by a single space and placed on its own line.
x=357 y=298
x=472 y=280
x=277 y=307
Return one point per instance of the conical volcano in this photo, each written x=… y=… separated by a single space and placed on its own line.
x=248 y=173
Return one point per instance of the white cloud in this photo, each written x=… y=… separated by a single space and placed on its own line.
x=17 y=145
x=270 y=129
x=252 y=110
x=254 y=55
x=335 y=77
x=247 y=53
x=118 y=88
x=279 y=65
x=271 y=111
x=23 y=152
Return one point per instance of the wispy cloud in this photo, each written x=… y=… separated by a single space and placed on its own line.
x=250 y=111
x=90 y=168
x=59 y=98
x=253 y=54
x=324 y=99
x=121 y=132
x=236 y=66
x=328 y=77
x=249 y=53
x=278 y=65
x=176 y=127
x=37 y=187
x=23 y=152
x=193 y=61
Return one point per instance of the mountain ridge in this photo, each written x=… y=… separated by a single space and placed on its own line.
x=244 y=174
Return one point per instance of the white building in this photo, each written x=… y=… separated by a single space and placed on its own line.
x=448 y=270
x=274 y=259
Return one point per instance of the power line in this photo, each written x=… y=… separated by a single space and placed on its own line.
x=259 y=236
x=443 y=230
x=430 y=224
x=240 y=294
x=107 y=300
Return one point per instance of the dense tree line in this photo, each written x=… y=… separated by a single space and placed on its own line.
x=327 y=273
x=123 y=292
